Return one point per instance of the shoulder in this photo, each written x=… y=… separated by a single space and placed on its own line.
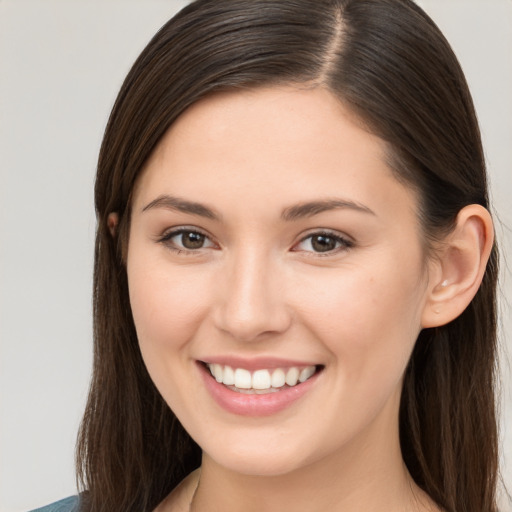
x=66 y=505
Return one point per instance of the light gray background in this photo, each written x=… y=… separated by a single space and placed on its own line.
x=61 y=65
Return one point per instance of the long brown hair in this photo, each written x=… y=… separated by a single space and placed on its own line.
x=389 y=63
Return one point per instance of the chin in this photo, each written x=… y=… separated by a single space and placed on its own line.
x=265 y=455
x=258 y=463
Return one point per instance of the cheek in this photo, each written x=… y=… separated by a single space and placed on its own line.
x=368 y=322
x=369 y=316
x=168 y=305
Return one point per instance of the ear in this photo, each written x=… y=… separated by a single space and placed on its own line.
x=112 y=223
x=459 y=268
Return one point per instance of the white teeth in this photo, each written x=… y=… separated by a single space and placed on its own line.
x=292 y=376
x=229 y=376
x=269 y=380
x=278 y=378
x=217 y=372
x=243 y=379
x=306 y=373
x=261 y=379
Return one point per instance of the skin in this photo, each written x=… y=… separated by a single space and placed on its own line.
x=258 y=288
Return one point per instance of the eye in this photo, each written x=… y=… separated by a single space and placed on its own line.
x=183 y=240
x=323 y=242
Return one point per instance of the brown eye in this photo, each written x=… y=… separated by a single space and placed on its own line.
x=323 y=243
x=192 y=240
x=183 y=240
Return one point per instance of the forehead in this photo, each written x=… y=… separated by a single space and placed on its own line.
x=277 y=145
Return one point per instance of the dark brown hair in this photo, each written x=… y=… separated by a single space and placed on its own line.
x=388 y=62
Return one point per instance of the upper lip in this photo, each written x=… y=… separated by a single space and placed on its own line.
x=256 y=363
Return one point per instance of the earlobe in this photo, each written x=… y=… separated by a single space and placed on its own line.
x=112 y=223
x=460 y=266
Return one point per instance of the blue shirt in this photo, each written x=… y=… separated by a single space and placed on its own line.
x=66 y=505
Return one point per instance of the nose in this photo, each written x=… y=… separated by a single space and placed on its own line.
x=251 y=304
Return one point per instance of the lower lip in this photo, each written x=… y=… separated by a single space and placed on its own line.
x=254 y=405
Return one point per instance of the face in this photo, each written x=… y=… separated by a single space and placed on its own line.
x=271 y=245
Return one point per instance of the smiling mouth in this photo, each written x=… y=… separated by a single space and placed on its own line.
x=261 y=381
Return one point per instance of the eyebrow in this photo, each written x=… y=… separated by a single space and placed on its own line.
x=295 y=212
x=182 y=205
x=312 y=208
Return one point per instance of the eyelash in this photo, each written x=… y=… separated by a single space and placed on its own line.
x=166 y=239
x=342 y=242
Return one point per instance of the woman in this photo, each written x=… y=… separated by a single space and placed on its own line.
x=295 y=269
